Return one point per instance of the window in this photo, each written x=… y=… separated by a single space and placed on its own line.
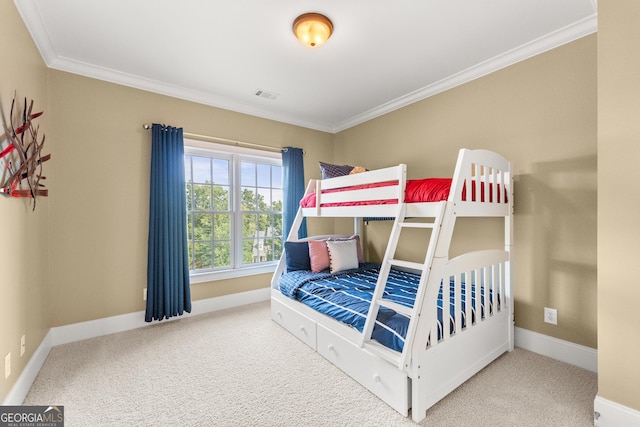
x=234 y=210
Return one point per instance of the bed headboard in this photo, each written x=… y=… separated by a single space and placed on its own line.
x=481 y=184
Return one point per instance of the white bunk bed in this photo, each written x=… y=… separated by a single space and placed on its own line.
x=427 y=368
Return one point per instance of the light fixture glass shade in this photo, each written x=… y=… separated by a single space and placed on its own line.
x=312 y=29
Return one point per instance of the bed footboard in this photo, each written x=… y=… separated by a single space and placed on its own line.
x=443 y=368
x=480 y=329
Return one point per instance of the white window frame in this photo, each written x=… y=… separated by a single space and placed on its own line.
x=195 y=147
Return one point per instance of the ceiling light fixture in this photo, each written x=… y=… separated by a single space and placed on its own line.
x=312 y=29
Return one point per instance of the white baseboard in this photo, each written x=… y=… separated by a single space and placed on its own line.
x=27 y=377
x=565 y=351
x=94 y=328
x=612 y=414
x=124 y=322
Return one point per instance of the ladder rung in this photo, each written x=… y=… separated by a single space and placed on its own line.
x=406 y=264
x=384 y=352
x=399 y=308
x=417 y=224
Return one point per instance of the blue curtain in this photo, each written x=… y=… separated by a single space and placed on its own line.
x=168 y=292
x=294 y=187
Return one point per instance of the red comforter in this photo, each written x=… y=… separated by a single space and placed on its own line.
x=417 y=190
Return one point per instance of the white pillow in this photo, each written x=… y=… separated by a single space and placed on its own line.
x=343 y=255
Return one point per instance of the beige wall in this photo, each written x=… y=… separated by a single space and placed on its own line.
x=24 y=271
x=100 y=204
x=618 y=202
x=82 y=254
x=540 y=114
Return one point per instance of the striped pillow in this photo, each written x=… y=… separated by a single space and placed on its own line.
x=331 y=171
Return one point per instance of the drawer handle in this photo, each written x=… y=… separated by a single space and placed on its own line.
x=330 y=347
x=302 y=329
x=376 y=378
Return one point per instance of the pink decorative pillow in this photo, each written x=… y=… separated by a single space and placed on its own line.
x=319 y=255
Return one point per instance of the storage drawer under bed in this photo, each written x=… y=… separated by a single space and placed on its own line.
x=380 y=377
x=298 y=324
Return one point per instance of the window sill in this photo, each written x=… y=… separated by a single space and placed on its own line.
x=212 y=276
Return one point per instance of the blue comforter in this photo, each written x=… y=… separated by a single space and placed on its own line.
x=346 y=296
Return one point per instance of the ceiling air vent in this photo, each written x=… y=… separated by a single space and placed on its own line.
x=265 y=94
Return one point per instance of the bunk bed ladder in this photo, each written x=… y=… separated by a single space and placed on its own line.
x=378 y=300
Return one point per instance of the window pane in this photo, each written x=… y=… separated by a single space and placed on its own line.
x=221 y=198
x=277 y=225
x=277 y=200
x=201 y=197
x=187 y=168
x=249 y=251
x=276 y=176
x=248 y=174
x=189 y=196
x=261 y=251
x=222 y=254
x=264 y=224
x=264 y=199
x=201 y=170
x=248 y=199
x=222 y=227
x=221 y=171
x=249 y=225
x=277 y=248
x=189 y=227
x=202 y=255
x=264 y=175
x=268 y=249
x=202 y=227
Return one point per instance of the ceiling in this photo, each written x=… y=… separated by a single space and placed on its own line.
x=383 y=54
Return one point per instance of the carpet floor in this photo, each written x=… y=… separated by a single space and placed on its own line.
x=238 y=368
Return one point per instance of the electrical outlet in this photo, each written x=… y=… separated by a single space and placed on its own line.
x=551 y=315
x=144 y=294
x=7 y=365
x=23 y=345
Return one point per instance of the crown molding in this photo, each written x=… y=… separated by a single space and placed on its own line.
x=31 y=15
x=550 y=41
x=161 y=88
